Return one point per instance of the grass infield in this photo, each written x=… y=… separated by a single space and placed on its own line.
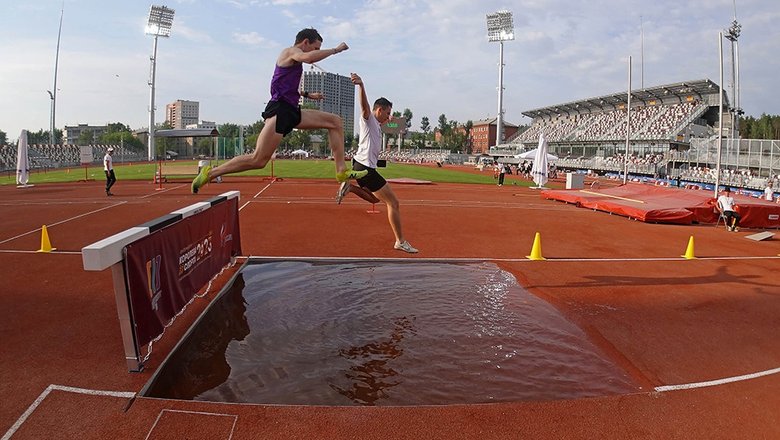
x=294 y=169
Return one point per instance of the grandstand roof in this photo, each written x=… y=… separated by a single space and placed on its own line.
x=187 y=132
x=677 y=91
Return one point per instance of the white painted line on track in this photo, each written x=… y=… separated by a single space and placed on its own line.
x=712 y=383
x=64 y=221
x=200 y=413
x=20 y=421
x=504 y=260
x=255 y=196
x=162 y=191
x=12 y=251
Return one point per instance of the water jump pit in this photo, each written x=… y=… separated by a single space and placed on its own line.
x=390 y=333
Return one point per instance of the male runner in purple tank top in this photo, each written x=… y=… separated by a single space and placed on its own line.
x=283 y=113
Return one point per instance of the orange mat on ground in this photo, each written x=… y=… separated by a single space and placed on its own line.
x=655 y=204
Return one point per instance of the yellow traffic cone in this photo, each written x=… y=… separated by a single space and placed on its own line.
x=689 y=254
x=45 y=243
x=536 y=249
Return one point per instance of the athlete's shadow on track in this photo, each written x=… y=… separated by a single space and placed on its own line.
x=719 y=277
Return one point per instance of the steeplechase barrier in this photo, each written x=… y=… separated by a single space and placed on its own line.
x=158 y=267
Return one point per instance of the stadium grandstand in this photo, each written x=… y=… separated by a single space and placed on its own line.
x=44 y=156
x=673 y=134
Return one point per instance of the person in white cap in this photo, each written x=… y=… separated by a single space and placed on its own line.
x=108 y=168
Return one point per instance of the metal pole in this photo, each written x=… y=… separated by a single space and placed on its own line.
x=54 y=90
x=628 y=125
x=720 y=113
x=151 y=99
x=500 y=119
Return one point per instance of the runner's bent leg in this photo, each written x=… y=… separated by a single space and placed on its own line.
x=267 y=142
x=313 y=119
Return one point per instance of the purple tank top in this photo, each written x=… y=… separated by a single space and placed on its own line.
x=285 y=82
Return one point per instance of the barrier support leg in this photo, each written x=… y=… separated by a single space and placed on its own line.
x=132 y=353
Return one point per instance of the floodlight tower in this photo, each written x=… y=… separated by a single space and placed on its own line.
x=159 y=25
x=500 y=28
x=732 y=34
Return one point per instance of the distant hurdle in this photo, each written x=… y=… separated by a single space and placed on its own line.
x=159 y=266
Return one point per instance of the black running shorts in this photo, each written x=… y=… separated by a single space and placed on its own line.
x=287 y=116
x=373 y=181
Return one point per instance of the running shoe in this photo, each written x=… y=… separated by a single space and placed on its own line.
x=201 y=179
x=343 y=191
x=350 y=174
x=406 y=247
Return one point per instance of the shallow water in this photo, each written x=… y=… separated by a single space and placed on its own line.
x=385 y=334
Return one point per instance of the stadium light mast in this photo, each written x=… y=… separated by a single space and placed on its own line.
x=500 y=28
x=732 y=34
x=628 y=125
x=159 y=25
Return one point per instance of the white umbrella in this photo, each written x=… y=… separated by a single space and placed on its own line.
x=540 y=167
x=531 y=154
x=22 y=161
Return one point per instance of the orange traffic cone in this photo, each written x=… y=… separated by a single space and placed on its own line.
x=689 y=254
x=45 y=243
x=536 y=249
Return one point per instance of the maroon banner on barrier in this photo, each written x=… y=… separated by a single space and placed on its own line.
x=167 y=268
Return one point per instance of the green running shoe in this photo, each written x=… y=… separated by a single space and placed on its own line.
x=201 y=179
x=350 y=174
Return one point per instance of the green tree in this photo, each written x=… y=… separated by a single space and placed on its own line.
x=86 y=137
x=425 y=126
x=125 y=138
x=468 y=144
x=3 y=138
x=162 y=144
x=408 y=115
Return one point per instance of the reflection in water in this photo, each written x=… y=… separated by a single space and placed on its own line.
x=371 y=375
x=204 y=366
x=355 y=333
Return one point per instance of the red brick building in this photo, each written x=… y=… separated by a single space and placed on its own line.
x=483 y=134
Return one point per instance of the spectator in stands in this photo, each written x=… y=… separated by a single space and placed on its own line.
x=369 y=147
x=283 y=113
x=769 y=192
x=108 y=168
x=727 y=208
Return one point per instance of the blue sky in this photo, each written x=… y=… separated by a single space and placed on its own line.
x=430 y=57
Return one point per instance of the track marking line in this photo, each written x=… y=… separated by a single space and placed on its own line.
x=64 y=221
x=200 y=413
x=609 y=195
x=505 y=260
x=712 y=383
x=255 y=196
x=13 y=251
x=20 y=421
x=161 y=191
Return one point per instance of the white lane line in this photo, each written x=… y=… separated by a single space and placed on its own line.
x=20 y=421
x=505 y=260
x=64 y=221
x=200 y=413
x=255 y=196
x=12 y=251
x=712 y=383
x=159 y=191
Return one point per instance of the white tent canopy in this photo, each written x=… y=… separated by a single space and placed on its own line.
x=303 y=153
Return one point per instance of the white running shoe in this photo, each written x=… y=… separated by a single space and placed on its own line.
x=406 y=247
x=343 y=191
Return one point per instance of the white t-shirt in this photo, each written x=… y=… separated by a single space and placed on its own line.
x=369 y=141
x=726 y=203
x=108 y=162
x=769 y=193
